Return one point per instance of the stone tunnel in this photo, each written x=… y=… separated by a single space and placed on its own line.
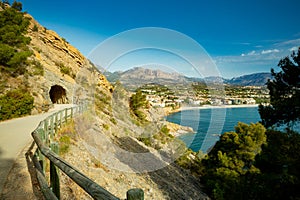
x=58 y=95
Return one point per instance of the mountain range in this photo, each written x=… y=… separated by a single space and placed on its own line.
x=139 y=75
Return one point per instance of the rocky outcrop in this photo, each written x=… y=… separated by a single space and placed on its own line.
x=63 y=65
x=177 y=130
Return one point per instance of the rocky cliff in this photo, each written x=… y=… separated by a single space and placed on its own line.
x=64 y=68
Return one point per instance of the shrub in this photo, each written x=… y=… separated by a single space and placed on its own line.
x=35 y=28
x=113 y=120
x=231 y=161
x=13 y=42
x=15 y=103
x=190 y=160
x=17 y=5
x=106 y=126
x=38 y=68
x=65 y=135
x=64 y=39
x=145 y=140
x=6 y=53
x=66 y=70
x=64 y=144
x=137 y=103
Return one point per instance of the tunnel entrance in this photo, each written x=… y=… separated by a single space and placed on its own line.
x=58 y=94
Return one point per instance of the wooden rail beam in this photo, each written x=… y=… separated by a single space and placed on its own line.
x=92 y=188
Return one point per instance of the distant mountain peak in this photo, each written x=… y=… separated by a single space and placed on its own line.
x=142 y=75
x=255 y=79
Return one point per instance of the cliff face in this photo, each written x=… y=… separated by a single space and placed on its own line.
x=65 y=69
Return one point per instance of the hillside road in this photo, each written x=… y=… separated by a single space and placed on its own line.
x=15 y=135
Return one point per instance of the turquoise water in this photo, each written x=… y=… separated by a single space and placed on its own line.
x=210 y=123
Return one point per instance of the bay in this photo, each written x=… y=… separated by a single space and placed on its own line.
x=210 y=123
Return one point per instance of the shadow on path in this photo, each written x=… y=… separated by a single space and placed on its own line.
x=21 y=182
x=5 y=166
x=32 y=171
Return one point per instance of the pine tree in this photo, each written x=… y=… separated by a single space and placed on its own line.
x=284 y=89
x=17 y=5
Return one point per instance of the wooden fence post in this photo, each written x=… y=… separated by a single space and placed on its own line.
x=54 y=175
x=66 y=115
x=56 y=123
x=60 y=118
x=46 y=131
x=135 y=194
x=41 y=157
x=52 y=127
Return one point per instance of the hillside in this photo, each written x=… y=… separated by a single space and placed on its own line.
x=102 y=141
x=138 y=76
x=257 y=79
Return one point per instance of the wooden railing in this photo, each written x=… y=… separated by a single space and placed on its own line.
x=47 y=148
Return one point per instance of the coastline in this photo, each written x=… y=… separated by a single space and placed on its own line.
x=216 y=107
x=178 y=130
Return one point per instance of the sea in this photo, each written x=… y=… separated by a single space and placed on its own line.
x=209 y=123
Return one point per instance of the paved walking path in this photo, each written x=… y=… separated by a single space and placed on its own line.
x=15 y=135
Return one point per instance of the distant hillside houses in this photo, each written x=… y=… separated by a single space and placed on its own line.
x=162 y=101
x=158 y=101
x=231 y=101
x=162 y=96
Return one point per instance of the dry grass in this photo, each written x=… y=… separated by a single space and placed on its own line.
x=65 y=136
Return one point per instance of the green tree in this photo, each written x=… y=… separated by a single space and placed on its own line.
x=232 y=159
x=137 y=103
x=279 y=163
x=13 y=42
x=17 y=5
x=15 y=103
x=284 y=90
x=6 y=2
x=6 y=53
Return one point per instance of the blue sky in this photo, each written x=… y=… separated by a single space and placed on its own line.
x=241 y=37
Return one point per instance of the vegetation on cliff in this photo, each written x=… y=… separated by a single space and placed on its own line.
x=137 y=103
x=13 y=61
x=232 y=160
x=13 y=42
x=15 y=103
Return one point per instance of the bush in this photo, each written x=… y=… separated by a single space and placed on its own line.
x=145 y=140
x=113 y=120
x=191 y=161
x=137 y=103
x=106 y=126
x=35 y=28
x=13 y=42
x=66 y=134
x=230 y=163
x=17 y=5
x=64 y=144
x=37 y=68
x=15 y=103
x=6 y=53
x=65 y=70
x=157 y=140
